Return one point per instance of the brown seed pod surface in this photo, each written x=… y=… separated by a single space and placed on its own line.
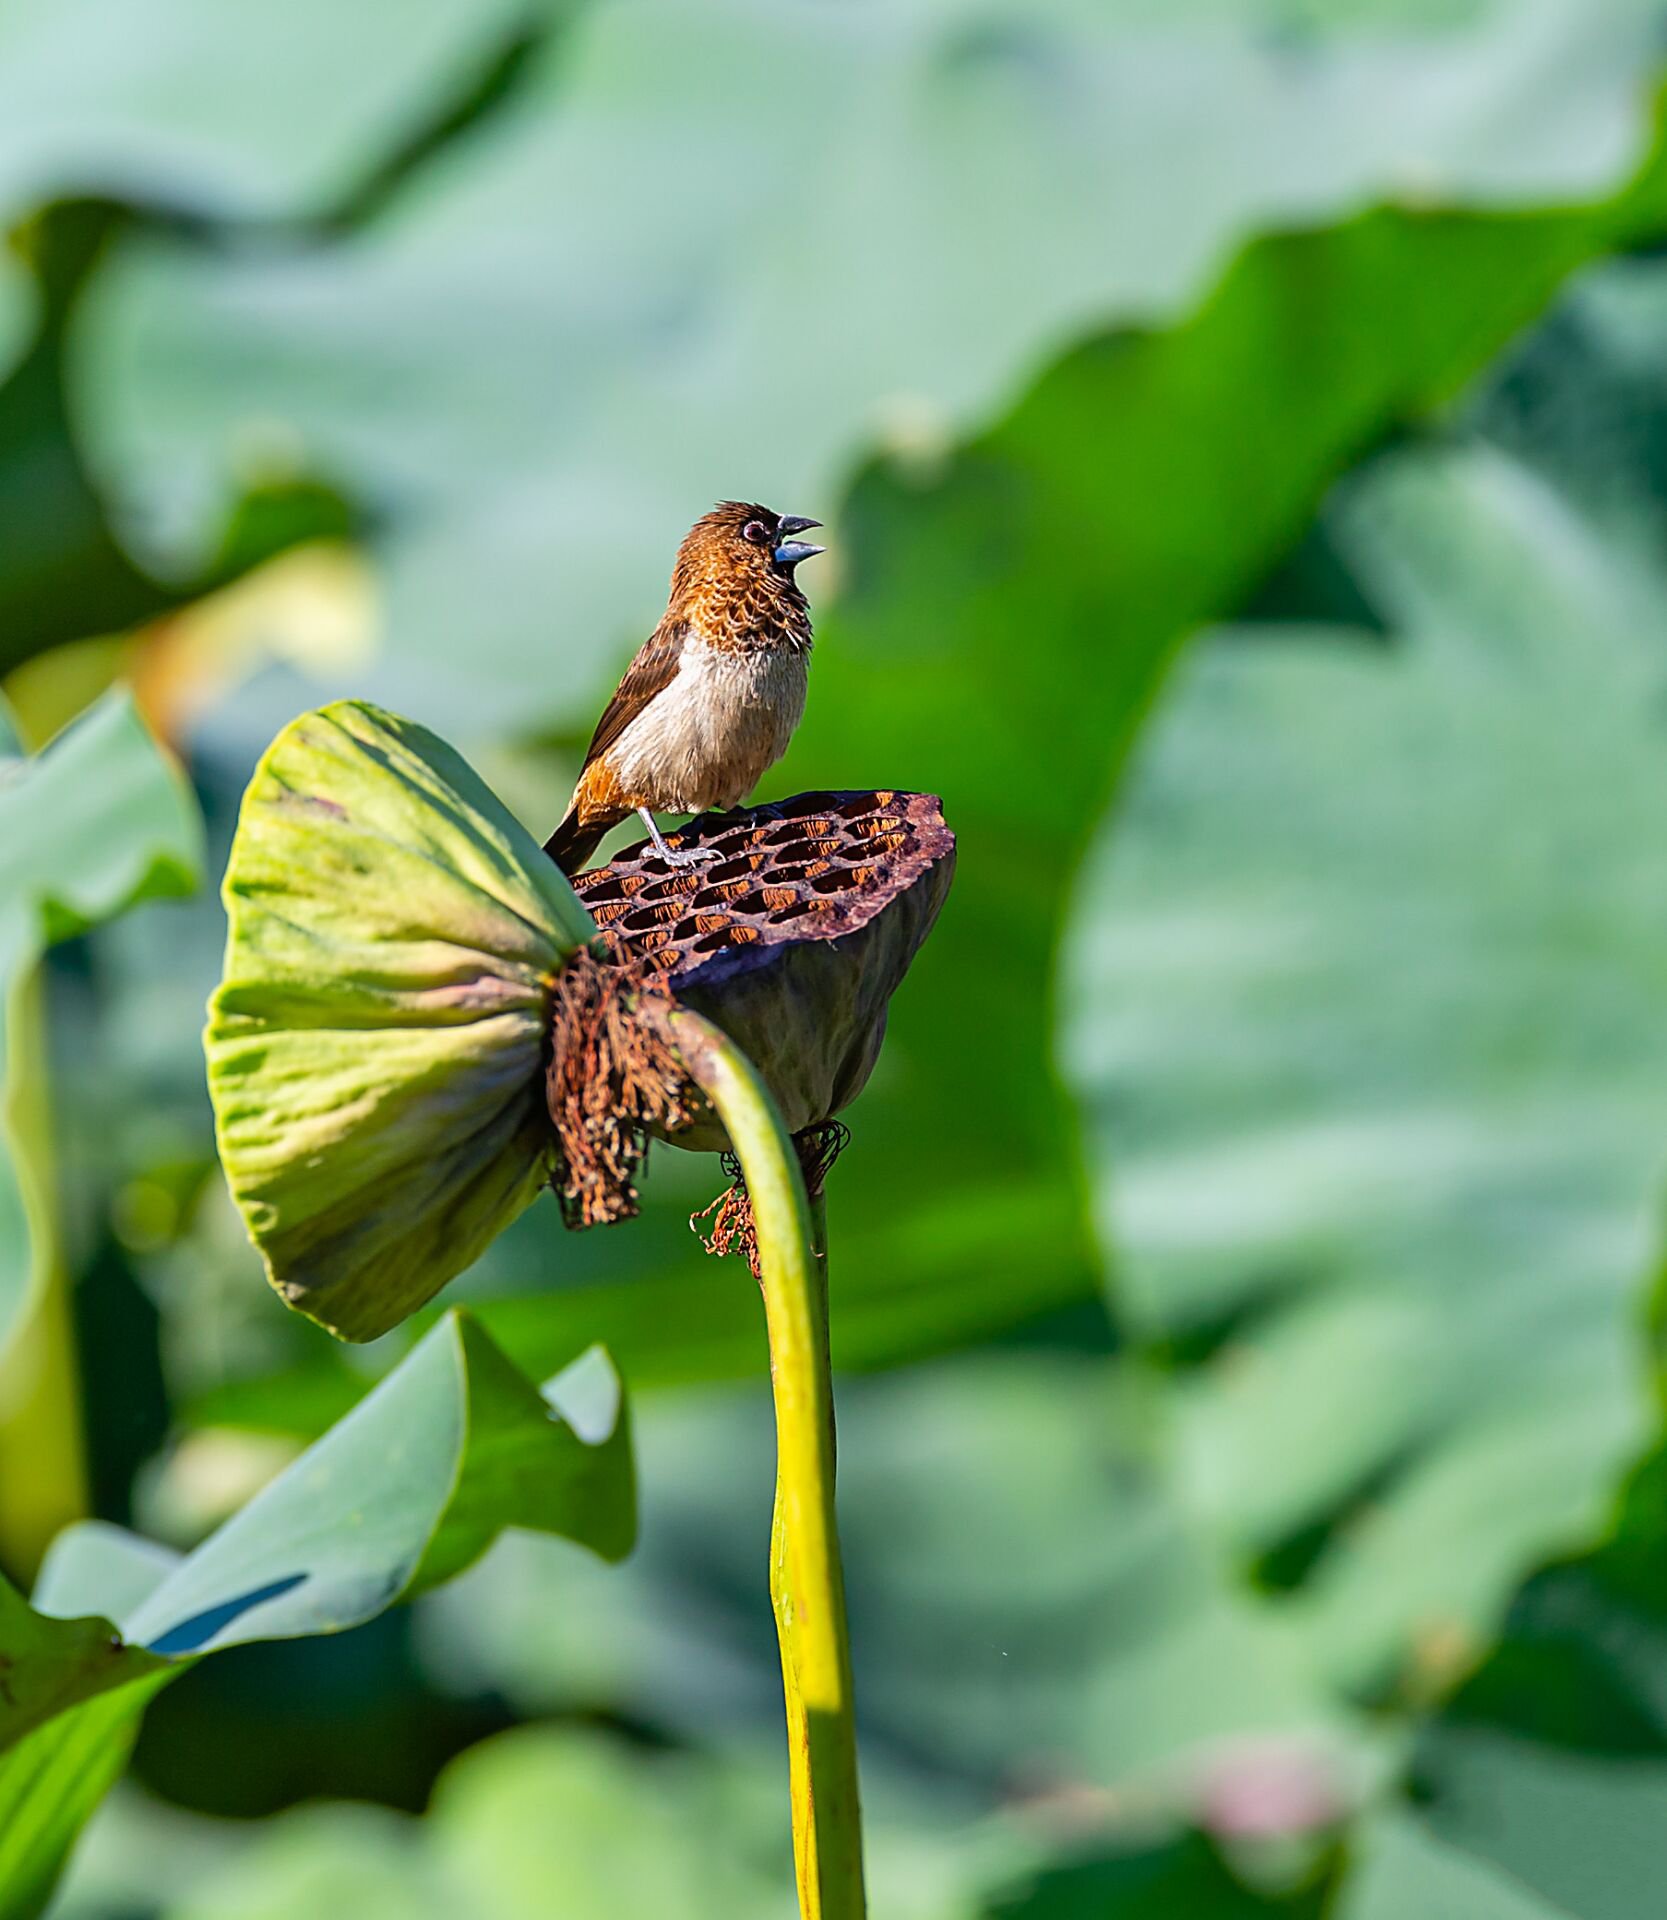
x=793 y=938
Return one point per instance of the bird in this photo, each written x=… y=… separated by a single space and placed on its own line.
x=714 y=693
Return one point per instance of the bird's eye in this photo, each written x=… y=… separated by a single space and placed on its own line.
x=756 y=532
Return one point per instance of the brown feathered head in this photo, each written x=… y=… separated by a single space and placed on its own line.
x=741 y=544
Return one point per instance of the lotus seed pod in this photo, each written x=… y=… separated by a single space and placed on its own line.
x=793 y=940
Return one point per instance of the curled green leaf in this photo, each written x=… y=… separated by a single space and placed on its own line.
x=375 y=1046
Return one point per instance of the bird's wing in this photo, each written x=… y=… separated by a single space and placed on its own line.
x=653 y=670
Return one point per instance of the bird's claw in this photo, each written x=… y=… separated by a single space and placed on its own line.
x=688 y=856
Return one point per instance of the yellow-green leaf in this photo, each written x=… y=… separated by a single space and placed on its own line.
x=375 y=1047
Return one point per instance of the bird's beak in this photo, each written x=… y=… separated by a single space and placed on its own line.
x=790 y=552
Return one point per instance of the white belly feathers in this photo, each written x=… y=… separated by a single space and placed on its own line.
x=706 y=739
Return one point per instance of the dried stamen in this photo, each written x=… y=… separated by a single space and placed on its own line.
x=733 y=1229
x=612 y=1075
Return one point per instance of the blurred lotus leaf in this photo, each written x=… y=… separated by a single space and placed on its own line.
x=97 y=822
x=227 y=112
x=1541 y=1787
x=539 y=1820
x=375 y=1048
x=18 y=310
x=1368 y=1014
x=615 y=296
x=1002 y=1509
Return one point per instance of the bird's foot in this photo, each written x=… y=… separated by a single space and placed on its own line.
x=674 y=856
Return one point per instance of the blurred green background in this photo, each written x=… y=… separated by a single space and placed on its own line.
x=1242 y=430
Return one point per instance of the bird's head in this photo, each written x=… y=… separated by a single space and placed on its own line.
x=756 y=538
x=734 y=575
x=742 y=543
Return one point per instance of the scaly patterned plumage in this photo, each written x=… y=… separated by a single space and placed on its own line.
x=715 y=691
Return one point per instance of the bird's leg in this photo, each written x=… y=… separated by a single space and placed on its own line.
x=674 y=856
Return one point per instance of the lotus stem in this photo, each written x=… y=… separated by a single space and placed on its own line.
x=43 y=1467
x=806 y=1581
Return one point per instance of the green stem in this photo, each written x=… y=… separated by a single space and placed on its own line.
x=43 y=1480
x=806 y=1581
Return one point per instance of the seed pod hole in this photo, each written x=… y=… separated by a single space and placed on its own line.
x=816 y=866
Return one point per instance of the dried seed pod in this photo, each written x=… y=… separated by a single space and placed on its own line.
x=792 y=940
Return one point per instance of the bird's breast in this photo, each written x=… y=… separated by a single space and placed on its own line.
x=708 y=736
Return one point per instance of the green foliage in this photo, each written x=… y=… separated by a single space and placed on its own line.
x=51 y=1782
x=450 y=1449
x=221 y=114
x=96 y=823
x=535 y=1816
x=761 y=241
x=17 y=311
x=1395 y=1122
x=1548 y=1769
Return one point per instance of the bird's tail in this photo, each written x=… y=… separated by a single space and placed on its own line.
x=573 y=842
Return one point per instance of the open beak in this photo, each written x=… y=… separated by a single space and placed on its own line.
x=790 y=552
